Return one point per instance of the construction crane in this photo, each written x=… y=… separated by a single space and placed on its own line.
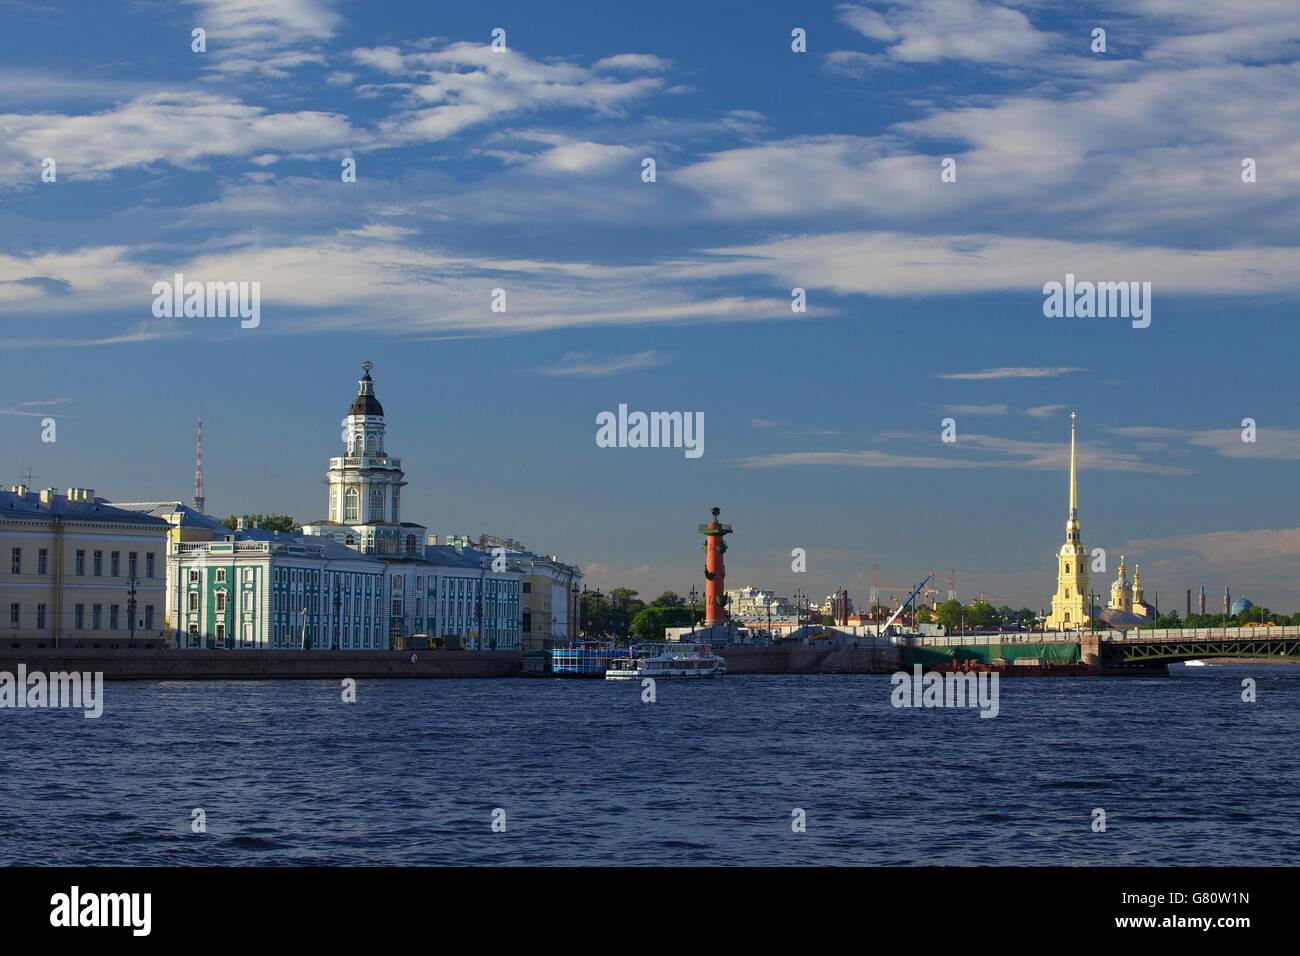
x=899 y=610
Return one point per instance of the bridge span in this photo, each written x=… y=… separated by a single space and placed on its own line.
x=1133 y=649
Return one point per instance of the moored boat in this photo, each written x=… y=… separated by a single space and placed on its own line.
x=667 y=660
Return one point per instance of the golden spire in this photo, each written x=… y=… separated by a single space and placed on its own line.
x=1074 y=491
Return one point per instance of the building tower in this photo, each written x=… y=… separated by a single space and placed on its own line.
x=715 y=546
x=952 y=584
x=1121 y=598
x=198 y=470
x=365 y=484
x=874 y=599
x=1139 y=598
x=1201 y=605
x=1069 y=603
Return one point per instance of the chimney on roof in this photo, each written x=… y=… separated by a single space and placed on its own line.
x=242 y=523
x=48 y=495
x=20 y=490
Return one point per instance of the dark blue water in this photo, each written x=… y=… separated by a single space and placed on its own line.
x=587 y=773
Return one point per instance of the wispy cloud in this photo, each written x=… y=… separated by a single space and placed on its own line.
x=994 y=452
x=1045 y=411
x=975 y=409
x=925 y=31
x=991 y=374
x=267 y=37
x=586 y=365
x=1270 y=442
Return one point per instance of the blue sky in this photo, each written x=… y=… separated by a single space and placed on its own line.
x=522 y=170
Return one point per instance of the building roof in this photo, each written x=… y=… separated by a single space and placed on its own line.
x=1112 y=617
x=365 y=403
x=98 y=509
x=190 y=518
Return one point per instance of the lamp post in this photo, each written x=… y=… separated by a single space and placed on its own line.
x=694 y=595
x=338 y=601
x=131 y=584
x=578 y=597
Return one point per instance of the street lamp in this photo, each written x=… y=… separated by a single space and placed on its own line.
x=131 y=584
x=577 y=600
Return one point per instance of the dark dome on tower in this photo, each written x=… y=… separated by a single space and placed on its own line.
x=365 y=403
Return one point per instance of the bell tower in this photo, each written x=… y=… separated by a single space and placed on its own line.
x=1070 y=602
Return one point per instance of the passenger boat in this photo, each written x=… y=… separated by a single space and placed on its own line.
x=668 y=660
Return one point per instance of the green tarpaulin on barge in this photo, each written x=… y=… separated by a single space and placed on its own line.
x=1052 y=653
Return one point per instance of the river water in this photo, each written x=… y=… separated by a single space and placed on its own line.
x=712 y=772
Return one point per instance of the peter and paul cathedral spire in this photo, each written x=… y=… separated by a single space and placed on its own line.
x=1070 y=609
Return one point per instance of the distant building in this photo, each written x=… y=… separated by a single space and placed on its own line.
x=754 y=604
x=1128 y=606
x=550 y=593
x=76 y=571
x=449 y=591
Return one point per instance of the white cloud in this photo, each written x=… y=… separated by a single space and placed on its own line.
x=586 y=365
x=990 y=374
x=975 y=409
x=995 y=452
x=897 y=264
x=182 y=129
x=633 y=63
x=925 y=31
x=267 y=37
x=1045 y=411
x=468 y=84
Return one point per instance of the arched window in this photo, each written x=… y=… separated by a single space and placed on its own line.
x=376 y=504
x=370 y=441
x=1067 y=617
x=1067 y=569
x=1067 y=592
x=352 y=505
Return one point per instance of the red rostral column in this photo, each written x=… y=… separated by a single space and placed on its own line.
x=715 y=600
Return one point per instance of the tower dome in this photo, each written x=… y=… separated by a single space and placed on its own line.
x=365 y=403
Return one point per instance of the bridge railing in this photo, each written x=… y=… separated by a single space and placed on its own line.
x=1136 y=635
x=1129 y=636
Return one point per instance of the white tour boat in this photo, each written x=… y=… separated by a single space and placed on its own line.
x=667 y=660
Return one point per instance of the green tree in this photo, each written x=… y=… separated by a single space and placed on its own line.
x=648 y=625
x=949 y=614
x=982 y=616
x=271 y=522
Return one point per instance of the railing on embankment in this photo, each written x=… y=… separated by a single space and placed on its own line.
x=265 y=664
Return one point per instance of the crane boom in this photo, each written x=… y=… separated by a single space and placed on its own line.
x=899 y=610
